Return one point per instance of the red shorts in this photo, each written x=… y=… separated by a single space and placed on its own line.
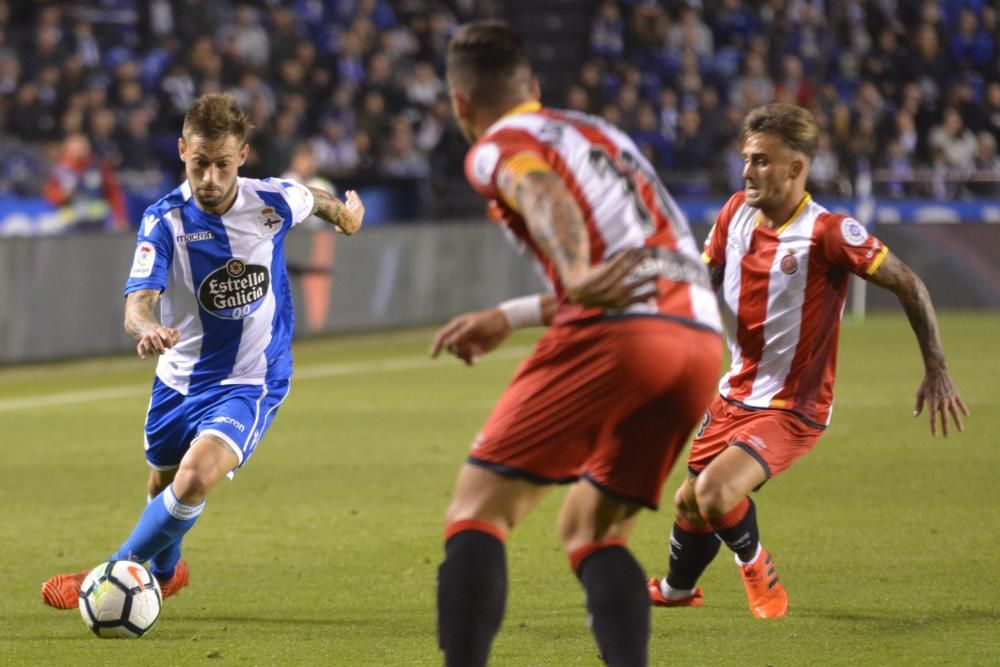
x=612 y=401
x=774 y=437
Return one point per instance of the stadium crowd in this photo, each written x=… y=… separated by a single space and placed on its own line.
x=906 y=91
x=92 y=94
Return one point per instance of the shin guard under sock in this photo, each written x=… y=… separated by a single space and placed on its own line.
x=738 y=529
x=471 y=592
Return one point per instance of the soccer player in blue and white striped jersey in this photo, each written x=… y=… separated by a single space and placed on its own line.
x=211 y=252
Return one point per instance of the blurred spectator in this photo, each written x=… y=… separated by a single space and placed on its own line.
x=986 y=181
x=754 y=87
x=648 y=138
x=607 y=32
x=334 y=151
x=401 y=157
x=85 y=188
x=971 y=47
x=953 y=142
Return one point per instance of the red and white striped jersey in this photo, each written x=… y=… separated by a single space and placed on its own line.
x=783 y=295
x=624 y=205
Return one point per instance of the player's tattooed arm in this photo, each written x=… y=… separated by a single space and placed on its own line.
x=556 y=224
x=937 y=389
x=346 y=216
x=141 y=324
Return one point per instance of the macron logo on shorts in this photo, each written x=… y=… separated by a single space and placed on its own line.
x=223 y=419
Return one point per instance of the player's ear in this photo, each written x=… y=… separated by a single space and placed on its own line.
x=536 y=88
x=796 y=168
x=244 y=152
x=460 y=105
x=181 y=148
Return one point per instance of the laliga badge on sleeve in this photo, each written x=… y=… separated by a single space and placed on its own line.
x=854 y=232
x=484 y=162
x=145 y=258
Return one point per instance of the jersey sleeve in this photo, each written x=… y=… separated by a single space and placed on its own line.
x=847 y=244
x=715 y=245
x=154 y=252
x=300 y=200
x=495 y=163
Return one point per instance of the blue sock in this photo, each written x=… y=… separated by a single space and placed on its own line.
x=163 y=564
x=163 y=523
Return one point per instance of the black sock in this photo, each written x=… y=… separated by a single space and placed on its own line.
x=690 y=554
x=739 y=532
x=472 y=591
x=618 y=604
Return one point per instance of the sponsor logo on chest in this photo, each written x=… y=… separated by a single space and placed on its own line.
x=234 y=290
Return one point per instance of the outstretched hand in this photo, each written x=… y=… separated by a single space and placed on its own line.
x=471 y=335
x=157 y=341
x=350 y=221
x=612 y=284
x=939 y=393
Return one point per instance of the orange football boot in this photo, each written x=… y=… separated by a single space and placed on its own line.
x=657 y=599
x=63 y=590
x=174 y=584
x=766 y=595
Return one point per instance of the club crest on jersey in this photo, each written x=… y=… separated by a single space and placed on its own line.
x=142 y=263
x=854 y=232
x=269 y=220
x=234 y=290
x=484 y=162
x=788 y=263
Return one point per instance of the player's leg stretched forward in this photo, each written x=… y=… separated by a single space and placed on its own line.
x=167 y=518
x=723 y=506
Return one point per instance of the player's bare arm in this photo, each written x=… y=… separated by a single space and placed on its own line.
x=141 y=324
x=937 y=388
x=716 y=275
x=346 y=216
x=471 y=335
x=556 y=223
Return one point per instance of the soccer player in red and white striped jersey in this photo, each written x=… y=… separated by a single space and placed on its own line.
x=781 y=262
x=617 y=383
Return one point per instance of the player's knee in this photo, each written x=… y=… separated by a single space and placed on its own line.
x=714 y=496
x=465 y=509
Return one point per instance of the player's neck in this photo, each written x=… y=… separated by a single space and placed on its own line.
x=776 y=216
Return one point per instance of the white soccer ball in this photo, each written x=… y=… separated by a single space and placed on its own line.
x=120 y=599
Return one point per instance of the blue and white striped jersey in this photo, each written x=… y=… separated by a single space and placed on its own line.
x=224 y=283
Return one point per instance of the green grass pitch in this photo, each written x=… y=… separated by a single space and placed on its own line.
x=323 y=551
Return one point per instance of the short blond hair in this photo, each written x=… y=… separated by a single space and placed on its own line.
x=216 y=115
x=794 y=125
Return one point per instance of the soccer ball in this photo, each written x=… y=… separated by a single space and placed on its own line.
x=120 y=599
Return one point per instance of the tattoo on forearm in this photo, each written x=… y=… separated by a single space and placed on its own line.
x=555 y=221
x=139 y=316
x=916 y=302
x=330 y=209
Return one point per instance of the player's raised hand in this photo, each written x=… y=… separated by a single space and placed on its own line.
x=354 y=212
x=157 y=341
x=613 y=284
x=939 y=393
x=471 y=335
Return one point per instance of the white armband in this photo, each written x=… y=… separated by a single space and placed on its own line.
x=524 y=311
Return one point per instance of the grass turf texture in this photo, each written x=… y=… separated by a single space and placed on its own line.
x=324 y=549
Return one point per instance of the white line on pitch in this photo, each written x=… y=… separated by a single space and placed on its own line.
x=314 y=372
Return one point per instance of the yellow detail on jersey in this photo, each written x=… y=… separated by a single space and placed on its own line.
x=513 y=170
x=525 y=107
x=798 y=211
x=705 y=258
x=879 y=258
x=778 y=403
